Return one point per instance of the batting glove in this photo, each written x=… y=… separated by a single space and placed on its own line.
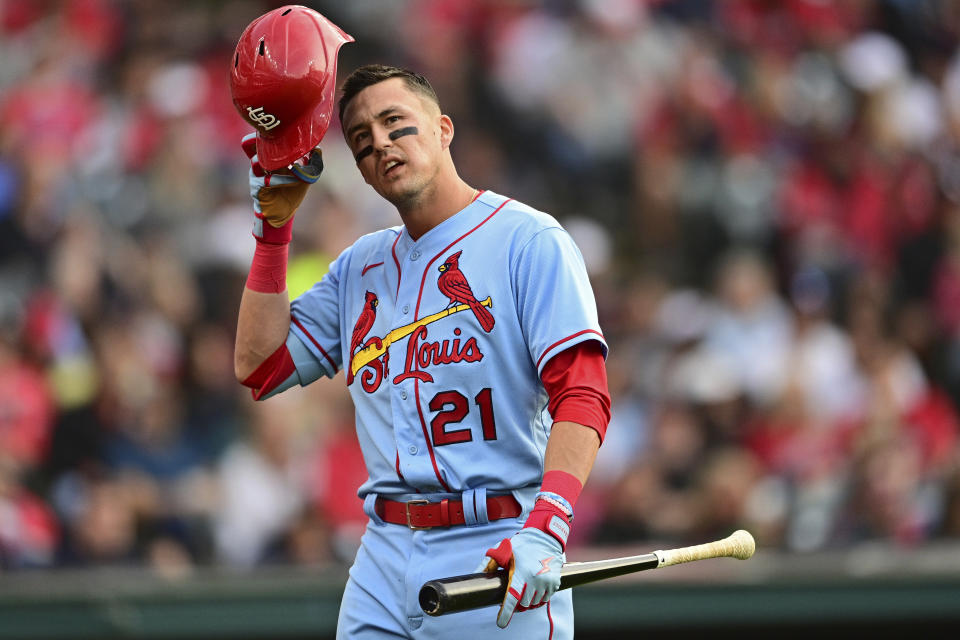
x=277 y=194
x=533 y=560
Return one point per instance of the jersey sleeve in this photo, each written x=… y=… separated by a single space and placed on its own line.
x=315 y=324
x=554 y=298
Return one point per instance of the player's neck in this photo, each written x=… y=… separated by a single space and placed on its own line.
x=439 y=201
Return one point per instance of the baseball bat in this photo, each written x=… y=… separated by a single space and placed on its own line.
x=472 y=591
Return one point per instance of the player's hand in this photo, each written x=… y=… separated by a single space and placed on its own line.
x=277 y=194
x=533 y=560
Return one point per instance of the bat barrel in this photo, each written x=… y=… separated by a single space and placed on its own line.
x=461 y=593
x=472 y=591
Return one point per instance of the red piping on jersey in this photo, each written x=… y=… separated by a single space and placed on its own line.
x=416 y=312
x=368 y=267
x=398 y=467
x=561 y=341
x=393 y=250
x=426 y=436
x=315 y=343
x=550 y=618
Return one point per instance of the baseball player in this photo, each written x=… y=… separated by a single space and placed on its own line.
x=468 y=336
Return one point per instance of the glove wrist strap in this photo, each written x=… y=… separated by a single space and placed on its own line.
x=263 y=231
x=553 y=511
x=551 y=520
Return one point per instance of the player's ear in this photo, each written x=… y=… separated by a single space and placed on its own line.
x=446 y=131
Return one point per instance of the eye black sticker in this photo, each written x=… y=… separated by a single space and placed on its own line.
x=363 y=153
x=406 y=131
x=399 y=133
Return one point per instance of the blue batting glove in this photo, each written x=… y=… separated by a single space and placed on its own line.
x=533 y=560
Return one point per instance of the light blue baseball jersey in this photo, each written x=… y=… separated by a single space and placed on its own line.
x=443 y=340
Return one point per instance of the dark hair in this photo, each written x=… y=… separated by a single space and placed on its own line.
x=371 y=74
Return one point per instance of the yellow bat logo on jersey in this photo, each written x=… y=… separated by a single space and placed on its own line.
x=376 y=347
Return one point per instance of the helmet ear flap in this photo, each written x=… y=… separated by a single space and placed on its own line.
x=283 y=80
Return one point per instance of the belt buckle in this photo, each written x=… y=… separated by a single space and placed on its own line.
x=409 y=523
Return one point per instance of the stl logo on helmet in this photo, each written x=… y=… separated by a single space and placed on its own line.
x=261 y=119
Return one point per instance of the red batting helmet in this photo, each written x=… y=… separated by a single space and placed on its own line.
x=283 y=81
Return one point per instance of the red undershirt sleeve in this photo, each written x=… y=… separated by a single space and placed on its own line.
x=271 y=373
x=576 y=383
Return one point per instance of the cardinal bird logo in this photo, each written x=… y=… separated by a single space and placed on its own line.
x=453 y=284
x=363 y=326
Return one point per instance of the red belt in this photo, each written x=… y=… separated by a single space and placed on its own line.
x=423 y=514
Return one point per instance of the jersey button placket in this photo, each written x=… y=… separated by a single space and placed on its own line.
x=417 y=469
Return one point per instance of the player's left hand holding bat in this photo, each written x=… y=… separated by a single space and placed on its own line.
x=533 y=558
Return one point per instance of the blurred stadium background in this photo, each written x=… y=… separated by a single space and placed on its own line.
x=767 y=195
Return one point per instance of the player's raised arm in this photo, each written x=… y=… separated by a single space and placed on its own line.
x=264 y=318
x=282 y=80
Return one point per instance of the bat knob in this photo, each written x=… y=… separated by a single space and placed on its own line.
x=743 y=544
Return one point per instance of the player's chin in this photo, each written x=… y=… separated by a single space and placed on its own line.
x=399 y=190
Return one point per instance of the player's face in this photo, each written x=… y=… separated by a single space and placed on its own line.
x=398 y=138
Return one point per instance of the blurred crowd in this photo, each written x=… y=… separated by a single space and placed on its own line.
x=767 y=196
